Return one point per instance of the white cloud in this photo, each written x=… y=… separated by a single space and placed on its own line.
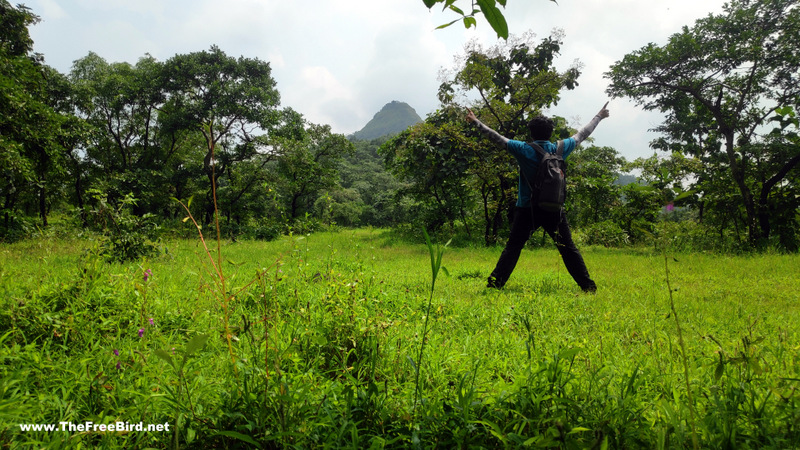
x=122 y=41
x=49 y=9
x=320 y=83
x=276 y=60
x=147 y=7
x=322 y=96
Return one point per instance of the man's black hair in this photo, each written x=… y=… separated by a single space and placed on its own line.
x=541 y=128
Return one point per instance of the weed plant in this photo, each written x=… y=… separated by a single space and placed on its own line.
x=311 y=343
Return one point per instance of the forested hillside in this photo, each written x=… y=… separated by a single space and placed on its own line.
x=393 y=118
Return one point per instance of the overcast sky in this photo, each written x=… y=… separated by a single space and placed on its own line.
x=338 y=62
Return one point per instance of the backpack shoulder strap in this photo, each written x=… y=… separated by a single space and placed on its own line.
x=538 y=148
x=560 y=148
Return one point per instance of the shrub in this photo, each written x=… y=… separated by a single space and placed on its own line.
x=606 y=233
x=690 y=236
x=126 y=237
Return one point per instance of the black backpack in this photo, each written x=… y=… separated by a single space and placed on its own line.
x=549 y=188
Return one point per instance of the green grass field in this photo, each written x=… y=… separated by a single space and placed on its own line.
x=325 y=333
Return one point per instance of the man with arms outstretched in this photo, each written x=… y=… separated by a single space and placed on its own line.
x=528 y=219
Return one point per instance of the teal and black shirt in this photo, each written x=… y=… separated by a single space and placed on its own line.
x=528 y=159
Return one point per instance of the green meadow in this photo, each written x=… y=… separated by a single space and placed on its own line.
x=314 y=341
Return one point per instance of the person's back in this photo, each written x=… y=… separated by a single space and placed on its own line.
x=549 y=185
x=528 y=216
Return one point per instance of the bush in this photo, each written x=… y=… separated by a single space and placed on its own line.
x=266 y=231
x=343 y=207
x=15 y=227
x=690 y=236
x=606 y=233
x=126 y=237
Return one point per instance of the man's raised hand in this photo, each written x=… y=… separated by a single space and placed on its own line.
x=603 y=112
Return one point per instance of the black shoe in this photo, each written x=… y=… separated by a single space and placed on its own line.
x=590 y=289
x=493 y=283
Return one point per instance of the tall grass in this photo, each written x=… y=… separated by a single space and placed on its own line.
x=323 y=327
x=436 y=266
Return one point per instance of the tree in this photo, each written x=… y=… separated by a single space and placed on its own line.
x=487 y=8
x=448 y=166
x=128 y=152
x=592 y=192
x=720 y=82
x=307 y=167
x=432 y=159
x=376 y=188
x=31 y=130
x=230 y=102
x=638 y=214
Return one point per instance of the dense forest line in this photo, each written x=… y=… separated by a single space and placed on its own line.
x=125 y=149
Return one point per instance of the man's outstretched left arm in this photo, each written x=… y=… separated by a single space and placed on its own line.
x=587 y=129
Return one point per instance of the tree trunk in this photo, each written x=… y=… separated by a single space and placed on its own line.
x=764 y=211
x=464 y=218
x=487 y=223
x=43 y=203
x=79 y=190
x=9 y=202
x=753 y=231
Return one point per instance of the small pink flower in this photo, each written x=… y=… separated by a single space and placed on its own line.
x=147 y=274
x=151 y=321
x=119 y=366
x=141 y=332
x=116 y=352
x=670 y=207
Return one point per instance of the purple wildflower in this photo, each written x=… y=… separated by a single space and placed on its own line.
x=670 y=207
x=141 y=332
x=119 y=366
x=147 y=274
x=116 y=352
x=151 y=321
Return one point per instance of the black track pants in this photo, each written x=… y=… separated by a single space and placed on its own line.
x=555 y=224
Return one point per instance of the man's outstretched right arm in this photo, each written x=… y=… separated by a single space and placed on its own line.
x=489 y=133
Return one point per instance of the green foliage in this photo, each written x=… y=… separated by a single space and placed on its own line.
x=309 y=167
x=126 y=237
x=606 y=233
x=430 y=160
x=343 y=207
x=718 y=81
x=641 y=208
x=223 y=99
x=691 y=236
x=488 y=8
x=153 y=136
x=173 y=129
x=14 y=22
x=363 y=172
x=34 y=133
x=592 y=192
